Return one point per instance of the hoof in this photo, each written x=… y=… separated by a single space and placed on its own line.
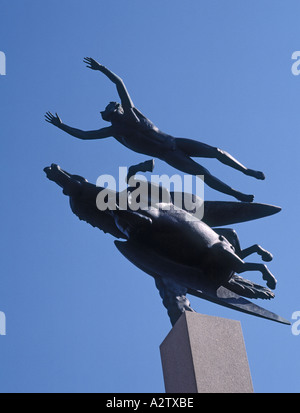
x=271 y=280
x=266 y=256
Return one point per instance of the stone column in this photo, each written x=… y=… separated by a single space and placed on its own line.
x=205 y=354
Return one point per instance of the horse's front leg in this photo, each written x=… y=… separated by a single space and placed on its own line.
x=265 y=255
x=267 y=275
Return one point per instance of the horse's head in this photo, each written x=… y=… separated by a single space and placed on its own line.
x=70 y=183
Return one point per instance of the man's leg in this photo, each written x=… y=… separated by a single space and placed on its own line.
x=198 y=149
x=180 y=161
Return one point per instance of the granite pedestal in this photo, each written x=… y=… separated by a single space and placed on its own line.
x=205 y=354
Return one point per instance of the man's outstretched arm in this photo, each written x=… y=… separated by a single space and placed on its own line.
x=78 y=133
x=122 y=91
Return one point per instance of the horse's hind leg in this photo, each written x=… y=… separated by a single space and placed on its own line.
x=265 y=255
x=267 y=275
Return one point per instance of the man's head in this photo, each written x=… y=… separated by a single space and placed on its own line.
x=111 y=109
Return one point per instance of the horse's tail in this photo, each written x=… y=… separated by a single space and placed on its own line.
x=248 y=288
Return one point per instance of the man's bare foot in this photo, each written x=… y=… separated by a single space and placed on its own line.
x=256 y=174
x=244 y=197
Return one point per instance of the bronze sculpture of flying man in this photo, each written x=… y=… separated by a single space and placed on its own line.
x=131 y=128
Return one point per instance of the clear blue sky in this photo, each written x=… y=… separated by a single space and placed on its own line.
x=80 y=318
